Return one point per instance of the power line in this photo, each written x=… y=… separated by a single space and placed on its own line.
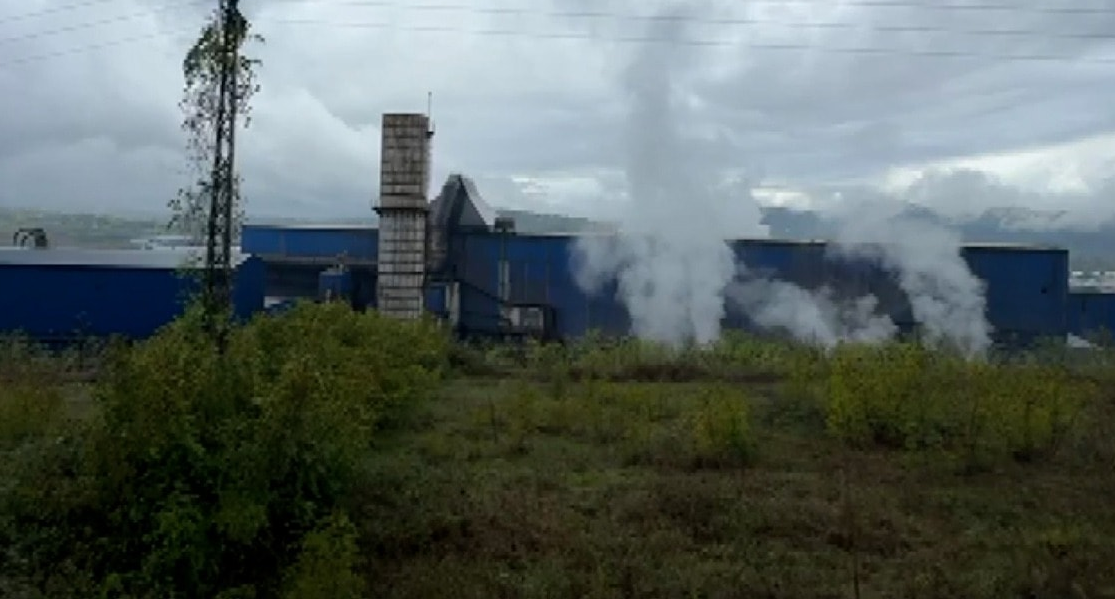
x=85 y=48
x=53 y=10
x=618 y=16
x=878 y=50
x=723 y=22
x=983 y=6
x=64 y=8
x=845 y=25
x=925 y=4
x=599 y=14
x=690 y=41
x=99 y=22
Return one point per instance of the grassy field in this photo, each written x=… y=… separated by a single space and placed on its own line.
x=751 y=469
x=514 y=488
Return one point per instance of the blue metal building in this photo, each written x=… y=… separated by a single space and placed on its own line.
x=486 y=279
x=1027 y=289
x=454 y=257
x=57 y=295
x=1091 y=313
x=295 y=256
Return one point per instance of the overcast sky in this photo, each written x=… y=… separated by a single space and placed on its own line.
x=959 y=104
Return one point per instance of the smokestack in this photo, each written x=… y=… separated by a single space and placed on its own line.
x=403 y=184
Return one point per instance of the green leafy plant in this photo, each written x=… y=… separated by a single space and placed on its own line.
x=203 y=472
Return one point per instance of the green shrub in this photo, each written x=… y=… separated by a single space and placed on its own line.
x=28 y=409
x=203 y=473
x=736 y=357
x=702 y=425
x=327 y=563
x=906 y=396
x=720 y=424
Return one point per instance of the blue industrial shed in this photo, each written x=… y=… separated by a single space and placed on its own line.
x=307 y=243
x=1091 y=313
x=295 y=256
x=1026 y=287
x=57 y=295
x=486 y=279
x=480 y=270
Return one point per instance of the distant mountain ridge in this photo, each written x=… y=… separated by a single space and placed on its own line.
x=996 y=225
x=1090 y=249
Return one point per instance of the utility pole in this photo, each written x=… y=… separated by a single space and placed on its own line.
x=218 y=250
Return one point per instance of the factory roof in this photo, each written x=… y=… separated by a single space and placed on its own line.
x=787 y=241
x=167 y=259
x=1024 y=247
x=977 y=245
x=1091 y=290
x=315 y=226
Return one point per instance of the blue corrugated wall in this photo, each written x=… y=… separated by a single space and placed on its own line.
x=539 y=272
x=1027 y=288
x=811 y=265
x=56 y=303
x=310 y=242
x=1091 y=313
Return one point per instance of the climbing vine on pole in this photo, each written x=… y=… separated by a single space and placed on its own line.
x=220 y=82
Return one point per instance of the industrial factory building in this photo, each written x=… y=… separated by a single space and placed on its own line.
x=57 y=294
x=452 y=257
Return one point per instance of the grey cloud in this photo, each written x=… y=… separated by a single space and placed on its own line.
x=521 y=106
x=806 y=112
x=33 y=178
x=934 y=107
x=961 y=194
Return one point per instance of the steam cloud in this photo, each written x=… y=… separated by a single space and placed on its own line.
x=946 y=299
x=670 y=259
x=675 y=273
x=816 y=317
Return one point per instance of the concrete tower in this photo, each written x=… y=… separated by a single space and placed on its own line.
x=403 y=181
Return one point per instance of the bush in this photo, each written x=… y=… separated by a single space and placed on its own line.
x=202 y=474
x=905 y=396
x=721 y=428
x=668 y=425
x=737 y=357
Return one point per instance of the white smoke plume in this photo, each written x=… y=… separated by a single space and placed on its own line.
x=675 y=272
x=946 y=299
x=817 y=317
x=669 y=259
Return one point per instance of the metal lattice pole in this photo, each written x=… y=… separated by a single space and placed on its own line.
x=218 y=292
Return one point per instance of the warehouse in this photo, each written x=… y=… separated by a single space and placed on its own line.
x=1091 y=314
x=451 y=256
x=491 y=281
x=59 y=295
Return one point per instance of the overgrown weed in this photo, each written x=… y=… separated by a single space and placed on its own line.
x=214 y=475
x=898 y=395
x=905 y=396
x=596 y=468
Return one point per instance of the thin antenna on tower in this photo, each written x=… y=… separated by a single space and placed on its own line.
x=430 y=112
